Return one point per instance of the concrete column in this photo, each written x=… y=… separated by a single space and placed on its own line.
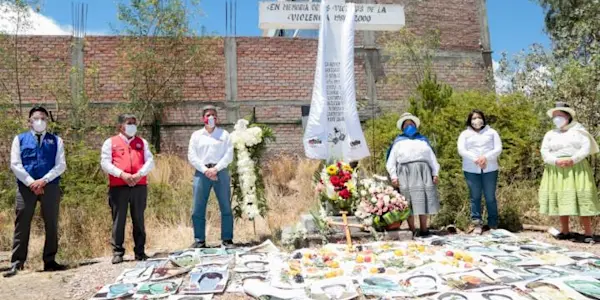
x=231 y=94
x=485 y=42
x=77 y=69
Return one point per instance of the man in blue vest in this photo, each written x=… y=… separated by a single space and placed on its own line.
x=37 y=159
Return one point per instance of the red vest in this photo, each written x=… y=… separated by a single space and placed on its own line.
x=129 y=158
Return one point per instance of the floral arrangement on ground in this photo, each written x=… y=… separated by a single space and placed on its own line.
x=336 y=187
x=380 y=206
x=249 y=142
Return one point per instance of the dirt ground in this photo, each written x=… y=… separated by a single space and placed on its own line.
x=81 y=281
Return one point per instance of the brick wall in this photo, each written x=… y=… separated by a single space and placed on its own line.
x=274 y=75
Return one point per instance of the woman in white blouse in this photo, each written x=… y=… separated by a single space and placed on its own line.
x=413 y=168
x=568 y=187
x=479 y=146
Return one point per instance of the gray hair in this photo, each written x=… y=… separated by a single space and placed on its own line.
x=208 y=107
x=124 y=117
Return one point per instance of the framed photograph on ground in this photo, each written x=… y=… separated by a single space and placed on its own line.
x=157 y=290
x=207 y=281
x=166 y=273
x=340 y=288
x=474 y=281
x=115 y=291
x=136 y=275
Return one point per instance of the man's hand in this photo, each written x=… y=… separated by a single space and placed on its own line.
x=436 y=180
x=135 y=178
x=38 y=184
x=211 y=174
x=128 y=178
x=37 y=187
x=395 y=182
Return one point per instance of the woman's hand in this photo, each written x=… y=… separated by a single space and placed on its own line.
x=395 y=182
x=436 y=180
x=481 y=162
x=565 y=163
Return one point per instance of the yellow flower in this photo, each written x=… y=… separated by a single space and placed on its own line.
x=350 y=185
x=332 y=170
x=347 y=168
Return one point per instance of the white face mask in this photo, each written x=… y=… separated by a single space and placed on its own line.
x=559 y=122
x=211 y=122
x=130 y=130
x=39 y=125
x=477 y=123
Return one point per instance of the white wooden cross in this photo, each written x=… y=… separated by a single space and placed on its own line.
x=306 y=15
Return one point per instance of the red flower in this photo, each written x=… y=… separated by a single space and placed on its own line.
x=346 y=176
x=335 y=180
x=345 y=193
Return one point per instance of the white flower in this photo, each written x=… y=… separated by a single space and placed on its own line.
x=386 y=199
x=363 y=193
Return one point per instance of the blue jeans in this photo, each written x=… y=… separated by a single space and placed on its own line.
x=202 y=186
x=486 y=183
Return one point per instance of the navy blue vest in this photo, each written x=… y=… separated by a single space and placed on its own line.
x=38 y=160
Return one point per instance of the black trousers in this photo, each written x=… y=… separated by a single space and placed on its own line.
x=26 y=202
x=121 y=198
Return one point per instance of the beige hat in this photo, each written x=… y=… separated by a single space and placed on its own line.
x=562 y=106
x=405 y=117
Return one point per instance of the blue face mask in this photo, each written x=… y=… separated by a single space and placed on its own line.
x=410 y=130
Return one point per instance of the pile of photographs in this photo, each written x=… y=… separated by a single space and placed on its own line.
x=494 y=266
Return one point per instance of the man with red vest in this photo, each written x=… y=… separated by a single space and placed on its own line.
x=37 y=158
x=127 y=160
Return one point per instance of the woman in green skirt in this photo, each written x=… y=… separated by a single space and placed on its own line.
x=568 y=187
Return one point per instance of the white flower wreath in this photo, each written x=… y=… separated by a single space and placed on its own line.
x=243 y=138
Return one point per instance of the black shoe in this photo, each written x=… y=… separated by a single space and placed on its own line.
x=198 y=245
x=117 y=259
x=54 y=266
x=141 y=257
x=227 y=243
x=585 y=239
x=563 y=236
x=13 y=271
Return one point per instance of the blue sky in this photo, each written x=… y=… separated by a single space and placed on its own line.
x=514 y=24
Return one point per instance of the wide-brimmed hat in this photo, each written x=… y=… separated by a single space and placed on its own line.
x=562 y=106
x=405 y=117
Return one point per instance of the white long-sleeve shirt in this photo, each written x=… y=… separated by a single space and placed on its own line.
x=210 y=148
x=16 y=164
x=106 y=161
x=407 y=151
x=571 y=143
x=472 y=145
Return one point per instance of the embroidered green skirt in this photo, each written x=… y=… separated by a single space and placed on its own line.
x=569 y=191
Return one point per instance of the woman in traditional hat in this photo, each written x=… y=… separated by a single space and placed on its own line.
x=413 y=168
x=568 y=187
x=479 y=145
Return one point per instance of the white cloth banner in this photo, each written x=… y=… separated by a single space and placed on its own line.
x=333 y=130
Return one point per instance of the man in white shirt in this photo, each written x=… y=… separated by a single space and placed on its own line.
x=210 y=152
x=37 y=159
x=127 y=160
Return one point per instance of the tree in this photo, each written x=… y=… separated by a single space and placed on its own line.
x=574 y=28
x=159 y=52
x=16 y=14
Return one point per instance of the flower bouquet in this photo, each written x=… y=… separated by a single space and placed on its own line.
x=380 y=205
x=336 y=187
